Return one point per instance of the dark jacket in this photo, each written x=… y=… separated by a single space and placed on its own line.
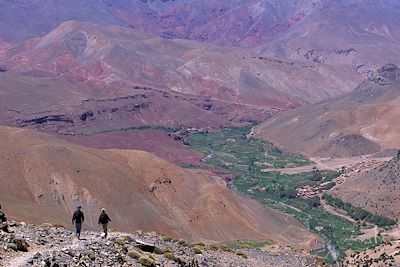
x=78 y=217
x=103 y=219
x=2 y=217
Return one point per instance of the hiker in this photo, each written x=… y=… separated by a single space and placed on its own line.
x=3 y=221
x=78 y=219
x=103 y=220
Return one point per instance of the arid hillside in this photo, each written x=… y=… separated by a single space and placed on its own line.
x=140 y=191
x=376 y=190
x=361 y=122
x=362 y=34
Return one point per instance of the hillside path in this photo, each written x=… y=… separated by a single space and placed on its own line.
x=25 y=257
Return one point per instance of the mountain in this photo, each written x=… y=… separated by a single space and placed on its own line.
x=43 y=175
x=344 y=33
x=114 y=55
x=86 y=82
x=376 y=190
x=234 y=22
x=360 y=122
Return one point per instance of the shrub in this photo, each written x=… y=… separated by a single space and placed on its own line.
x=158 y=251
x=170 y=256
x=197 y=250
x=244 y=246
x=241 y=254
x=119 y=241
x=146 y=261
x=168 y=250
x=46 y=225
x=182 y=242
x=12 y=246
x=134 y=254
x=167 y=238
x=213 y=247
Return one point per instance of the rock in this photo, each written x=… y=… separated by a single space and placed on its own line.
x=145 y=246
x=92 y=256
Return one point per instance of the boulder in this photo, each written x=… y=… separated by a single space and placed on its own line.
x=145 y=246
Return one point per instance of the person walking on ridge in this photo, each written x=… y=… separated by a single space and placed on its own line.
x=103 y=220
x=3 y=221
x=78 y=219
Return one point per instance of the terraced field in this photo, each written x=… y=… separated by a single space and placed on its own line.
x=234 y=151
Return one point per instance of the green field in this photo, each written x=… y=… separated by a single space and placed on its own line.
x=232 y=151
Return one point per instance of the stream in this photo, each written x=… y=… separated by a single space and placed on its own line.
x=333 y=251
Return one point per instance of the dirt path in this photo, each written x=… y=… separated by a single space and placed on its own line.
x=23 y=259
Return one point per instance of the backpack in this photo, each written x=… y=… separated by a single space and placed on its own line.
x=2 y=217
x=103 y=219
x=78 y=216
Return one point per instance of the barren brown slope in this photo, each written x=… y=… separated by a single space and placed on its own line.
x=378 y=190
x=361 y=122
x=139 y=190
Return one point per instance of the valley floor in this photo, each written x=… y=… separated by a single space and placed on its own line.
x=293 y=184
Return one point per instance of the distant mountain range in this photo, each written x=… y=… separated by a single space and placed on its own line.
x=233 y=22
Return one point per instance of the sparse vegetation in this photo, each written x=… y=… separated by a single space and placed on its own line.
x=146 y=261
x=249 y=244
x=12 y=246
x=167 y=238
x=182 y=242
x=168 y=250
x=170 y=256
x=241 y=254
x=158 y=250
x=134 y=254
x=197 y=250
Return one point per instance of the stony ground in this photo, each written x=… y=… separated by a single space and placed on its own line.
x=56 y=247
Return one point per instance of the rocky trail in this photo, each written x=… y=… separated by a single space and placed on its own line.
x=52 y=246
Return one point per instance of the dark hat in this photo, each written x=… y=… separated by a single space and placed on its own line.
x=79 y=207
